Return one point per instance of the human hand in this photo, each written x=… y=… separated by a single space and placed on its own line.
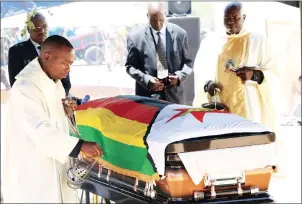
x=245 y=73
x=156 y=84
x=173 y=80
x=91 y=149
x=212 y=87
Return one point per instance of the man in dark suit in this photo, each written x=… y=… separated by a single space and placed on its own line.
x=22 y=53
x=158 y=58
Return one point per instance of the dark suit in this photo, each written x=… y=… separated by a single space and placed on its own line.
x=20 y=55
x=142 y=59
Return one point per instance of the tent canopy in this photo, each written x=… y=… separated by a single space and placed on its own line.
x=291 y=3
x=120 y=13
x=73 y=14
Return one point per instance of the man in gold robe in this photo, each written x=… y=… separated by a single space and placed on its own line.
x=240 y=64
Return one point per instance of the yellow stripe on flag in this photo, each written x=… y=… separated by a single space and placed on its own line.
x=120 y=129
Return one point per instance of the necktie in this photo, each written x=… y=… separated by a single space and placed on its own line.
x=162 y=68
x=39 y=47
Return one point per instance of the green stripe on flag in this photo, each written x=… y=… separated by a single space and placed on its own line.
x=124 y=156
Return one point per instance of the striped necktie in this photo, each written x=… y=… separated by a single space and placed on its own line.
x=162 y=66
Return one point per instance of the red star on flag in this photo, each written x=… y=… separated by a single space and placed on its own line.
x=198 y=113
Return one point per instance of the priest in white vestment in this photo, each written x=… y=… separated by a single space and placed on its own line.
x=37 y=144
x=240 y=63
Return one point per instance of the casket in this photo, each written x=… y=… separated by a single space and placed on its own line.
x=178 y=184
x=195 y=156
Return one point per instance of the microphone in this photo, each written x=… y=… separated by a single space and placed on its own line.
x=85 y=99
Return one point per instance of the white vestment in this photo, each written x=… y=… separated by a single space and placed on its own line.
x=37 y=142
x=258 y=54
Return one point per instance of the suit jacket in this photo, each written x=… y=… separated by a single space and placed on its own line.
x=142 y=58
x=20 y=55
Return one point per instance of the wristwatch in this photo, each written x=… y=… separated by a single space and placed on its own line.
x=258 y=76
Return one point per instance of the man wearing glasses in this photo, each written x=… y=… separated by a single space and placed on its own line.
x=22 y=53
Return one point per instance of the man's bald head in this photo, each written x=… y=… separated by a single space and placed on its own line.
x=56 y=42
x=156 y=7
x=39 y=33
x=234 y=17
x=233 y=5
x=57 y=54
x=156 y=15
x=37 y=16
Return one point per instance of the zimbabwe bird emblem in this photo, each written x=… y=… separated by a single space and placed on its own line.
x=198 y=113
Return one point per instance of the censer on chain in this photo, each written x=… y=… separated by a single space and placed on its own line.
x=79 y=169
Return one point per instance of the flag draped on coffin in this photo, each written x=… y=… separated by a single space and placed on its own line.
x=134 y=131
x=120 y=125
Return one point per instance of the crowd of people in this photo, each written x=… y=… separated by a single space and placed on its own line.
x=236 y=69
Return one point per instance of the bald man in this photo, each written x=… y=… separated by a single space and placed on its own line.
x=158 y=57
x=22 y=53
x=37 y=144
x=241 y=64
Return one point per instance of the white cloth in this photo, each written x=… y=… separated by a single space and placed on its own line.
x=205 y=68
x=36 y=46
x=289 y=74
x=225 y=163
x=37 y=142
x=186 y=126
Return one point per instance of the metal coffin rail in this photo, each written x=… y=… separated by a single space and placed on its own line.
x=121 y=191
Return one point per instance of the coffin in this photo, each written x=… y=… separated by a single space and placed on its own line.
x=175 y=151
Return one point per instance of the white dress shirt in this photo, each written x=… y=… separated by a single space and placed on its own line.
x=162 y=35
x=36 y=46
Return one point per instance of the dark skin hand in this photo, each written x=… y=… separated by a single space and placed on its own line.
x=91 y=150
x=156 y=84
x=173 y=79
x=245 y=73
x=212 y=88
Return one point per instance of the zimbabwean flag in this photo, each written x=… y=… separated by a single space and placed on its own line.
x=120 y=126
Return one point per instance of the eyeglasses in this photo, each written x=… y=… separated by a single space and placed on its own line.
x=40 y=28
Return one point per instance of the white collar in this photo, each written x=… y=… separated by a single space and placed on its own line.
x=34 y=43
x=242 y=31
x=34 y=72
x=162 y=31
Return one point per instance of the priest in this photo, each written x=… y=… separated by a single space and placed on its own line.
x=37 y=145
x=238 y=69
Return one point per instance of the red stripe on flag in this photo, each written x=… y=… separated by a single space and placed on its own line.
x=123 y=108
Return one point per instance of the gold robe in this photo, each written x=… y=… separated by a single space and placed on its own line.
x=255 y=102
